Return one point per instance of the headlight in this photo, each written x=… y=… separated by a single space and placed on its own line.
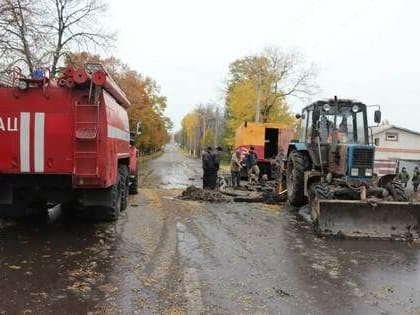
x=355 y=109
x=326 y=107
x=354 y=172
x=368 y=172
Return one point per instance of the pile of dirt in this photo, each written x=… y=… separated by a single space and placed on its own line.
x=262 y=197
x=198 y=194
x=262 y=186
x=272 y=198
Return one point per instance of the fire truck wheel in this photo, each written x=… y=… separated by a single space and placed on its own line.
x=12 y=211
x=124 y=186
x=134 y=184
x=112 y=212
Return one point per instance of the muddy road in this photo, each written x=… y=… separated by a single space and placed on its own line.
x=170 y=256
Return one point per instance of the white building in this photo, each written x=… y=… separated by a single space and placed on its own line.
x=395 y=147
x=396 y=143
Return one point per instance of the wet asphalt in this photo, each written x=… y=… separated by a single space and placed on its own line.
x=169 y=256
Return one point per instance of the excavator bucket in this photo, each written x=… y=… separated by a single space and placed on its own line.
x=368 y=219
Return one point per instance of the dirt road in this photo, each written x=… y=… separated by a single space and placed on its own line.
x=166 y=255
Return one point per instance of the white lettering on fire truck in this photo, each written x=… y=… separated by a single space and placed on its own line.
x=9 y=124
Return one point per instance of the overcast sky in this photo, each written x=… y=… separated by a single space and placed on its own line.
x=366 y=50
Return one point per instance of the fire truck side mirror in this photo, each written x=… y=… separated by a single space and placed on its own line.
x=132 y=138
x=138 y=128
x=377 y=116
x=316 y=114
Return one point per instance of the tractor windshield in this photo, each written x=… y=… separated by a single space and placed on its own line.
x=349 y=124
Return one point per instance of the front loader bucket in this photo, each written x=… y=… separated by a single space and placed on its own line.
x=364 y=219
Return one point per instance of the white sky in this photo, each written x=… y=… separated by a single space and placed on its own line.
x=366 y=50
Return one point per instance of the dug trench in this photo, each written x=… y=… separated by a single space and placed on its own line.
x=167 y=255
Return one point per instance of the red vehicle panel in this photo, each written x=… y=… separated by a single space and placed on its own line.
x=78 y=132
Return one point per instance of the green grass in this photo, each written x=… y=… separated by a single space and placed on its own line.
x=152 y=156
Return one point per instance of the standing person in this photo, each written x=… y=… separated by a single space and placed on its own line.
x=403 y=177
x=207 y=160
x=416 y=178
x=235 y=168
x=251 y=163
x=279 y=162
x=215 y=157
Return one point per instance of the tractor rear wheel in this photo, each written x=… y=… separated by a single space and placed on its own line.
x=295 y=179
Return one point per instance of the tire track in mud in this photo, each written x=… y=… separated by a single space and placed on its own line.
x=145 y=270
x=144 y=177
x=191 y=242
x=162 y=272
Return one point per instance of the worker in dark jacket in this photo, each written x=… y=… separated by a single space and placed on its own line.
x=208 y=167
x=216 y=157
x=416 y=179
x=403 y=177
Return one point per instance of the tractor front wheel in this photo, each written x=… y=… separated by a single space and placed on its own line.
x=317 y=192
x=295 y=179
x=397 y=190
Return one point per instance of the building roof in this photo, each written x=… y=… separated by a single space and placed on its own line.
x=383 y=128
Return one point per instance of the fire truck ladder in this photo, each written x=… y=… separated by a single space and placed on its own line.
x=86 y=140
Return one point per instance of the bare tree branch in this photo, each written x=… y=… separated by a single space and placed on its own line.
x=277 y=74
x=42 y=31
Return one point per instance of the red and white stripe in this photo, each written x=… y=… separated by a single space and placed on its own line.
x=118 y=133
x=38 y=140
x=385 y=167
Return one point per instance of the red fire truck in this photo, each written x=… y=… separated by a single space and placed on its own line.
x=65 y=141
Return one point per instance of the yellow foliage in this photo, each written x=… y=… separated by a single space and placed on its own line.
x=189 y=124
x=241 y=100
x=208 y=138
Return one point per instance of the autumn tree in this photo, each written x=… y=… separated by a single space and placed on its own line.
x=190 y=123
x=42 y=32
x=268 y=80
x=74 y=25
x=201 y=128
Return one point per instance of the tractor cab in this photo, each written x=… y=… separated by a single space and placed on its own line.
x=336 y=135
x=344 y=122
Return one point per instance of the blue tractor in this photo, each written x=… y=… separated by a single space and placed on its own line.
x=331 y=169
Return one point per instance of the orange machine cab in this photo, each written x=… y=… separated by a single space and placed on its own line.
x=266 y=138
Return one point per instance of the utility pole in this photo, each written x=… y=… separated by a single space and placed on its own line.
x=204 y=128
x=258 y=100
x=216 y=127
